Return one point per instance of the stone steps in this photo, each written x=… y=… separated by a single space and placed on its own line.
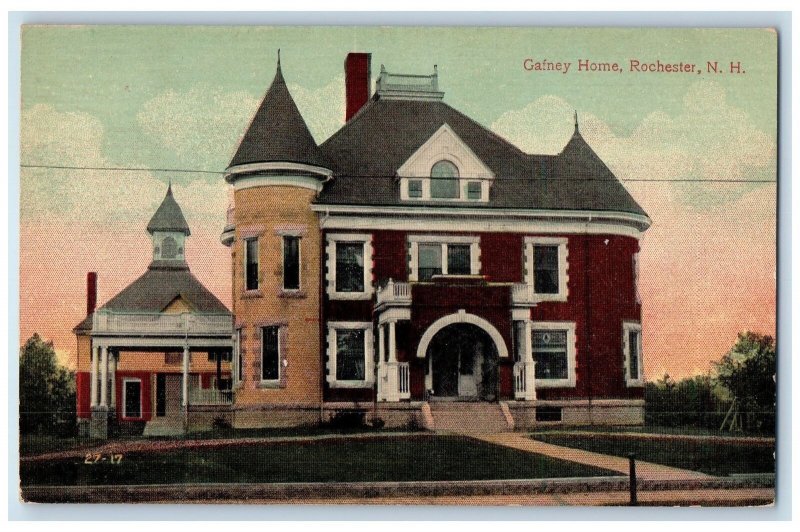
x=469 y=417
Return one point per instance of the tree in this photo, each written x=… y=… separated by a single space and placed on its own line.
x=47 y=389
x=747 y=371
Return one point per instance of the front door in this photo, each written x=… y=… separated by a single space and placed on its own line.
x=462 y=363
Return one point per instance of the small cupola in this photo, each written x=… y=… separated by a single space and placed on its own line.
x=168 y=230
x=392 y=86
x=277 y=141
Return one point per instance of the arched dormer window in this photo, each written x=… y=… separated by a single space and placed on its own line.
x=444 y=180
x=169 y=248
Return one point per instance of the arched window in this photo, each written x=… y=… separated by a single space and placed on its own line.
x=444 y=180
x=169 y=248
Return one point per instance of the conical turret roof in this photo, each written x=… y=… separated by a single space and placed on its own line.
x=168 y=216
x=277 y=132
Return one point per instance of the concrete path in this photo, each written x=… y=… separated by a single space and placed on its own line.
x=644 y=470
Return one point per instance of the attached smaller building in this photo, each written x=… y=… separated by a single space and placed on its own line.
x=162 y=343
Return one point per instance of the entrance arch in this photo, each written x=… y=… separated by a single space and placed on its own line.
x=462 y=364
x=462 y=317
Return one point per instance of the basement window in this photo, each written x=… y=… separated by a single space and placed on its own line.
x=548 y=413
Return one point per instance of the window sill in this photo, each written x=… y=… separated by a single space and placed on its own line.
x=561 y=298
x=269 y=385
x=554 y=383
x=634 y=384
x=292 y=294
x=351 y=296
x=250 y=294
x=350 y=384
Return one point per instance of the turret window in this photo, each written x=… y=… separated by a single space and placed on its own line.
x=251 y=264
x=291 y=263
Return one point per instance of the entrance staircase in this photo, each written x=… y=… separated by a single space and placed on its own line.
x=464 y=417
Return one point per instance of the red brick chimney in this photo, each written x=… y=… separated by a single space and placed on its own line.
x=356 y=81
x=91 y=292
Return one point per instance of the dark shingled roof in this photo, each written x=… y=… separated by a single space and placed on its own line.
x=168 y=216
x=159 y=286
x=277 y=132
x=367 y=151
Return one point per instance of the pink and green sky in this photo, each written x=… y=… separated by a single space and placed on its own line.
x=180 y=97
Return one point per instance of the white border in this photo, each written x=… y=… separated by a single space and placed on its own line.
x=331 y=240
x=572 y=350
x=563 y=267
x=369 y=354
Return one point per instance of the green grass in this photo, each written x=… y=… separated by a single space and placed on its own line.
x=31 y=444
x=405 y=458
x=650 y=429
x=719 y=459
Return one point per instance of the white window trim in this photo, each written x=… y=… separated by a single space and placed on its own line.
x=443 y=240
x=125 y=382
x=572 y=350
x=636 y=277
x=369 y=354
x=245 y=240
x=330 y=276
x=299 y=263
x=563 y=266
x=444 y=144
x=628 y=327
x=277 y=380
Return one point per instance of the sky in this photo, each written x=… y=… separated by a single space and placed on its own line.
x=180 y=97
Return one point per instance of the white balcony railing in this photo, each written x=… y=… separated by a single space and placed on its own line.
x=394 y=294
x=522 y=294
x=394 y=381
x=403 y=380
x=157 y=324
x=210 y=396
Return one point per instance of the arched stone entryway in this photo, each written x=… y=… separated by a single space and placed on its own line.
x=461 y=352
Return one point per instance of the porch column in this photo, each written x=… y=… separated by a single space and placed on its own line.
x=530 y=364
x=93 y=382
x=114 y=360
x=381 y=345
x=104 y=377
x=392 y=345
x=186 y=375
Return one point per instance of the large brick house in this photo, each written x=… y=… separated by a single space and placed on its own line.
x=417 y=266
x=415 y=263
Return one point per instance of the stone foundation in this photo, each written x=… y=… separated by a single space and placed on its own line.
x=98 y=425
x=577 y=412
x=402 y=415
x=274 y=416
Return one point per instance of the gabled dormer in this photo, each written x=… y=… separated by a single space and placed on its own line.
x=168 y=230
x=444 y=168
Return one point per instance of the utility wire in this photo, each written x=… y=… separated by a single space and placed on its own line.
x=350 y=176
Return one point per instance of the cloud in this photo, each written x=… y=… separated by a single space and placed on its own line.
x=322 y=108
x=707 y=139
x=103 y=197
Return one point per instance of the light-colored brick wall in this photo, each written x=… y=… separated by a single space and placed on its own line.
x=269 y=213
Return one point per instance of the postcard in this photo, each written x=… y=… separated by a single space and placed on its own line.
x=398 y=265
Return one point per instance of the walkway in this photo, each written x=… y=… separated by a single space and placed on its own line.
x=644 y=470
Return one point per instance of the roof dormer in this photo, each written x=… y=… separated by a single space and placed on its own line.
x=444 y=168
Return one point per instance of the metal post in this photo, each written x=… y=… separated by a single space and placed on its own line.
x=632 y=480
x=185 y=383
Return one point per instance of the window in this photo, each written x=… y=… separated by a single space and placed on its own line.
x=350 y=354
x=444 y=180
x=251 y=264
x=443 y=255
x=553 y=346
x=415 y=188
x=348 y=266
x=132 y=393
x=458 y=259
x=546 y=267
x=474 y=190
x=169 y=248
x=291 y=262
x=225 y=356
x=632 y=353
x=430 y=261
x=270 y=353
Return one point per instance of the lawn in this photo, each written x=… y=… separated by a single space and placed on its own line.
x=650 y=429
x=402 y=458
x=711 y=457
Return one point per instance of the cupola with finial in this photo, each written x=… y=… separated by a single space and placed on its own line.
x=168 y=230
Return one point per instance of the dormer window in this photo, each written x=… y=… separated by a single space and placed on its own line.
x=445 y=169
x=444 y=181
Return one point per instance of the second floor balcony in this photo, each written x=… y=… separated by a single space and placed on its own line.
x=398 y=294
x=106 y=322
